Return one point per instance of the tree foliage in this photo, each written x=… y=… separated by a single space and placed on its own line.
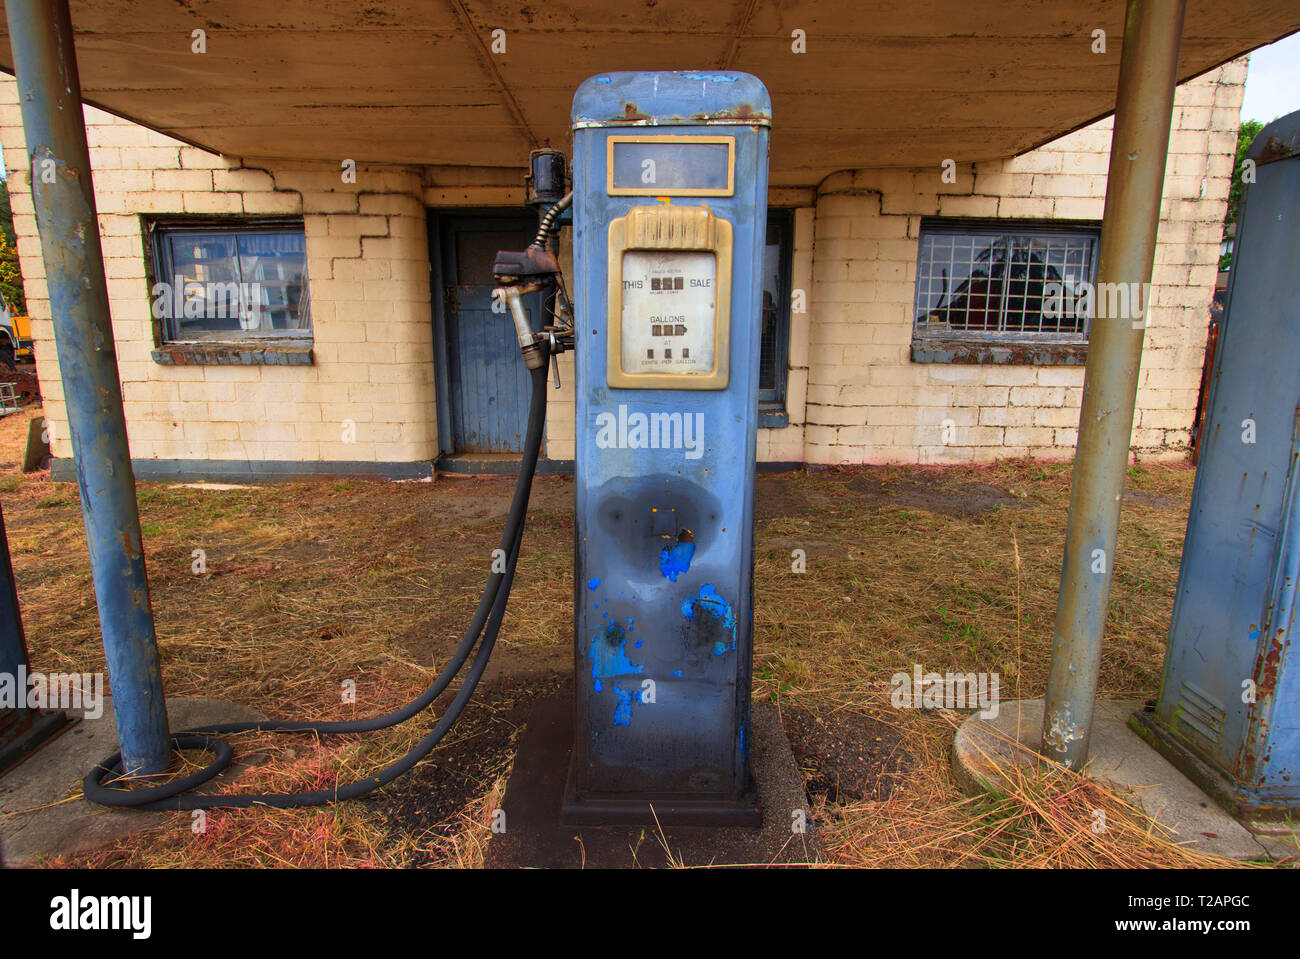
x=11 y=274
x=1245 y=137
x=11 y=277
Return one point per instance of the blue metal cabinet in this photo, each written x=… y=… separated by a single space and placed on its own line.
x=1229 y=707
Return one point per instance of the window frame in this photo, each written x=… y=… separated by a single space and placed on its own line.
x=772 y=410
x=1001 y=346
x=280 y=347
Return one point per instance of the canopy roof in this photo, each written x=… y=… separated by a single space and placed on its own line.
x=891 y=83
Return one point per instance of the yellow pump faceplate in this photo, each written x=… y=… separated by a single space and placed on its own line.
x=669 y=292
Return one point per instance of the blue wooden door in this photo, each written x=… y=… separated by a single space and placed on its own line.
x=487 y=383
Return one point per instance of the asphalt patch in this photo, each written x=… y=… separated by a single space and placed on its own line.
x=845 y=756
x=426 y=803
x=535 y=837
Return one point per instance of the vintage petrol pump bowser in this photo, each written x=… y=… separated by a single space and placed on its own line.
x=670 y=208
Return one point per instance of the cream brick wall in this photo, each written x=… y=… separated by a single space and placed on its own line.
x=853 y=393
x=367 y=263
x=867 y=402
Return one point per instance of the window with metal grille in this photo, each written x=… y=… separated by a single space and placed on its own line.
x=221 y=282
x=775 y=311
x=1002 y=284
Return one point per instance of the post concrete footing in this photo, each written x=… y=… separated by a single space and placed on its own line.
x=38 y=820
x=986 y=754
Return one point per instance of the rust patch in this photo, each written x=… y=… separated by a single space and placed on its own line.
x=1278 y=149
x=744 y=111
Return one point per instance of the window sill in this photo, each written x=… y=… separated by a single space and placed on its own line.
x=773 y=417
x=1011 y=354
x=233 y=354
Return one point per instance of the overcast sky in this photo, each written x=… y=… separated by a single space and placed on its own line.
x=1273 y=81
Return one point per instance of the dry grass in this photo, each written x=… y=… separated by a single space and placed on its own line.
x=890 y=587
x=1044 y=817
x=308 y=585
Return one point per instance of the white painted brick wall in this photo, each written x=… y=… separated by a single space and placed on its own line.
x=853 y=394
x=371 y=321
x=867 y=402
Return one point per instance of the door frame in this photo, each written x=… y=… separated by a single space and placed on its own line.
x=442 y=220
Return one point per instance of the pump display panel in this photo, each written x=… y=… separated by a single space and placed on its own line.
x=669 y=298
x=670 y=312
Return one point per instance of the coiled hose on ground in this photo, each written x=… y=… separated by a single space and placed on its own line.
x=491 y=610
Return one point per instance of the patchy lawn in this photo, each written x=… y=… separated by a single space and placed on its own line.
x=300 y=587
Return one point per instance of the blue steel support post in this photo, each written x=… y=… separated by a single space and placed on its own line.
x=40 y=33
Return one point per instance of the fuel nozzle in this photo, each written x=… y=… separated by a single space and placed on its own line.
x=520 y=272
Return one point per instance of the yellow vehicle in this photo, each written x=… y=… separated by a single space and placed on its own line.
x=15 y=336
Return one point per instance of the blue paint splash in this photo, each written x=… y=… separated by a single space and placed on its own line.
x=592 y=584
x=676 y=560
x=677 y=673
x=608 y=655
x=623 y=708
x=710 y=602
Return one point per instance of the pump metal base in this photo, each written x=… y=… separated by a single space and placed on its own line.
x=666 y=811
x=22 y=732
x=1244 y=803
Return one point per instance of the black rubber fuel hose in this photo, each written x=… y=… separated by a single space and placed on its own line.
x=490 y=612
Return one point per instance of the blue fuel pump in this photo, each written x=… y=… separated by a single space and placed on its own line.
x=670 y=205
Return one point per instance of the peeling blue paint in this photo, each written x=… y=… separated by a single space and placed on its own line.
x=677 y=673
x=676 y=560
x=623 y=708
x=608 y=655
x=593 y=583
x=717 y=607
x=711 y=77
x=609 y=659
